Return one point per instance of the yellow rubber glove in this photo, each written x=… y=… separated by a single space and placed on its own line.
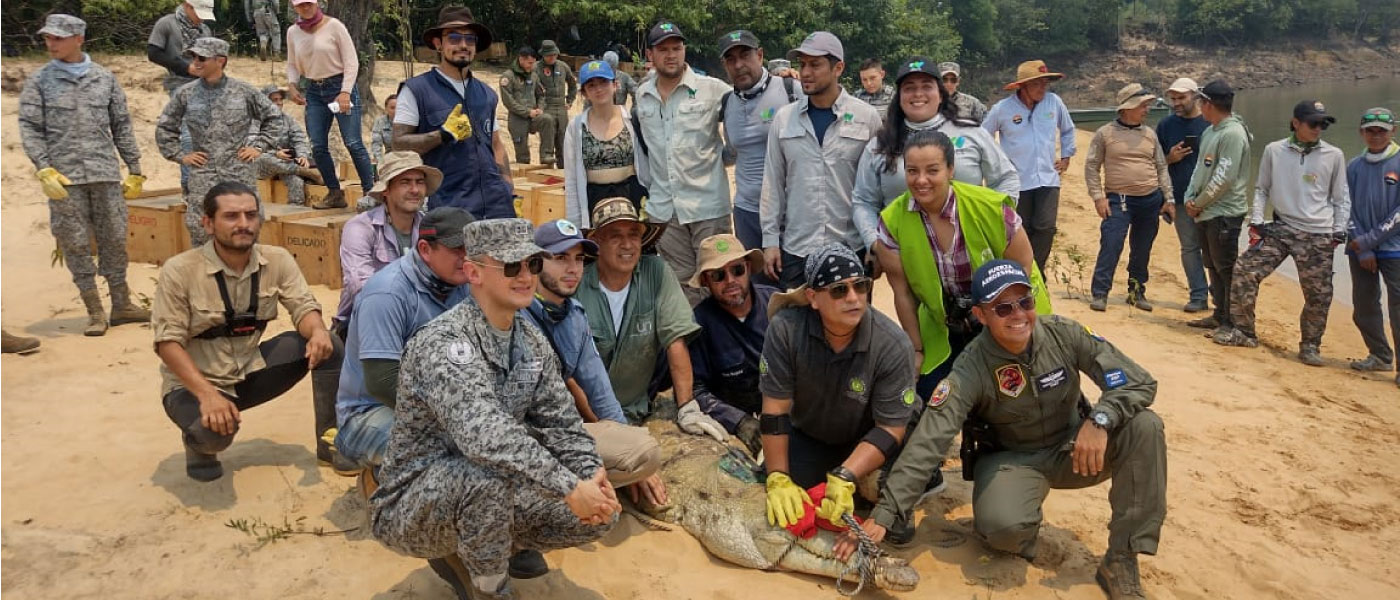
x=131 y=186
x=840 y=499
x=53 y=183
x=458 y=125
x=786 y=502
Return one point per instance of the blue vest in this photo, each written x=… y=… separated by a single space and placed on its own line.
x=470 y=177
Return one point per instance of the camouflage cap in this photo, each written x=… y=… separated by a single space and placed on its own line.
x=506 y=240
x=208 y=47
x=273 y=88
x=61 y=25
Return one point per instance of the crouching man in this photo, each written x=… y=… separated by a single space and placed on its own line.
x=487 y=453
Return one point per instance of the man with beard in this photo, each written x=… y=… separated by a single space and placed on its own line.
x=211 y=307
x=449 y=117
x=629 y=453
x=1180 y=135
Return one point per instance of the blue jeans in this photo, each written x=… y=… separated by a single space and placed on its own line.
x=318 y=128
x=365 y=436
x=748 y=229
x=1134 y=218
x=1192 y=261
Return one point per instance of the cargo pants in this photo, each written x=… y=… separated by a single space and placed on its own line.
x=1312 y=254
x=91 y=210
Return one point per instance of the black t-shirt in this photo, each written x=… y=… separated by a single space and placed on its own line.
x=1171 y=131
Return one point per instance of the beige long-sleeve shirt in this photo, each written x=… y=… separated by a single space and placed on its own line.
x=1131 y=161
x=322 y=54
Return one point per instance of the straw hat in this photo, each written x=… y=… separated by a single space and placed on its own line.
x=1031 y=69
x=400 y=162
x=719 y=250
x=617 y=210
x=1132 y=96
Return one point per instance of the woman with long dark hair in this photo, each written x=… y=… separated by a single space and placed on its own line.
x=602 y=158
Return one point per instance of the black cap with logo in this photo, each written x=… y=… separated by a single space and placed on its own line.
x=662 y=31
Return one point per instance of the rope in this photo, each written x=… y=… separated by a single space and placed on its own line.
x=863 y=561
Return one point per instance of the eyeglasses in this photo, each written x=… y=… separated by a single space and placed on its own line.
x=461 y=38
x=1004 y=309
x=1315 y=124
x=719 y=275
x=198 y=58
x=841 y=290
x=512 y=269
x=1378 y=118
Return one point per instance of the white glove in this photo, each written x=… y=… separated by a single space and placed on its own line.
x=691 y=420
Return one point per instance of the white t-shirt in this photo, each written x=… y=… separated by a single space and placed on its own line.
x=407 y=113
x=617 y=301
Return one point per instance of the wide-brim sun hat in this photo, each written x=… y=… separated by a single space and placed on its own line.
x=722 y=249
x=400 y=162
x=459 y=17
x=1029 y=70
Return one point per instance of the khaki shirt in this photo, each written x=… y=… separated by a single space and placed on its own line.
x=188 y=303
x=685 y=149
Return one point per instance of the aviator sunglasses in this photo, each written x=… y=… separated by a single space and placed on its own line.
x=1004 y=309
x=719 y=275
x=841 y=290
x=511 y=269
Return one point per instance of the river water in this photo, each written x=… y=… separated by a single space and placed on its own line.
x=1267 y=113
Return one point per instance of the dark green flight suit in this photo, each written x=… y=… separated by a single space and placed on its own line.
x=560 y=89
x=522 y=92
x=1030 y=402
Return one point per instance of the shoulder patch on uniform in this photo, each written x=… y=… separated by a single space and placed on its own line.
x=1114 y=379
x=1093 y=335
x=1011 y=380
x=940 y=394
x=461 y=352
x=910 y=397
x=857 y=385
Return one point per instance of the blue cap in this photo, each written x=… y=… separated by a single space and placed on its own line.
x=595 y=69
x=992 y=278
x=556 y=237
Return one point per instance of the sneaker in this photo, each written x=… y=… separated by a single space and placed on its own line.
x=1235 y=337
x=1099 y=303
x=527 y=564
x=202 y=467
x=1207 y=323
x=1194 y=306
x=1140 y=302
x=1371 y=363
x=1118 y=576
x=1309 y=355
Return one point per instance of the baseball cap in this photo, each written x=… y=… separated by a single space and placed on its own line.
x=61 y=25
x=595 y=69
x=1183 y=84
x=525 y=50
x=819 y=43
x=208 y=47
x=1217 y=91
x=917 y=64
x=445 y=225
x=945 y=68
x=204 y=9
x=1378 y=117
x=741 y=37
x=662 y=31
x=993 y=277
x=506 y=240
x=556 y=237
x=1313 y=111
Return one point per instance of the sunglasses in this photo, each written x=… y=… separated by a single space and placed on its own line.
x=512 y=269
x=461 y=38
x=719 y=275
x=841 y=290
x=198 y=58
x=1378 y=118
x=1004 y=309
x=1315 y=124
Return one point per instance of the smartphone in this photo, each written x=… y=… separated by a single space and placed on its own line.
x=1167 y=217
x=1191 y=141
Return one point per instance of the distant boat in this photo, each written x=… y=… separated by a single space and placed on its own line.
x=1099 y=115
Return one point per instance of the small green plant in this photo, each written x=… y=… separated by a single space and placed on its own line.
x=1070 y=265
x=265 y=533
x=1134 y=292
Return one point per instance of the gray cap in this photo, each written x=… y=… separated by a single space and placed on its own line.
x=208 y=47
x=945 y=68
x=1378 y=117
x=506 y=240
x=820 y=43
x=273 y=88
x=61 y=25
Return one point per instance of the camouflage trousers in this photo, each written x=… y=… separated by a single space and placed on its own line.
x=459 y=506
x=91 y=210
x=1312 y=254
x=270 y=166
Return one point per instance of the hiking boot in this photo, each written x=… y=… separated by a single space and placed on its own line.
x=1099 y=303
x=450 y=568
x=335 y=199
x=14 y=344
x=527 y=564
x=1194 y=306
x=1207 y=323
x=1309 y=355
x=1370 y=363
x=1235 y=337
x=202 y=467
x=123 y=311
x=1118 y=576
x=1139 y=301
x=97 y=318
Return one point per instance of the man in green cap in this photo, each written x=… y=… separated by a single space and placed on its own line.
x=560 y=89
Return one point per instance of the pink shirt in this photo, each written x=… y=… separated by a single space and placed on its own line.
x=321 y=55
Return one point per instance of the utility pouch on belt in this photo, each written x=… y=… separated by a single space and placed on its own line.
x=977 y=439
x=236 y=324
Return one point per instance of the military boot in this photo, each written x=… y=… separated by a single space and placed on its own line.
x=451 y=569
x=1118 y=576
x=335 y=199
x=123 y=311
x=324 y=385
x=97 y=318
x=13 y=344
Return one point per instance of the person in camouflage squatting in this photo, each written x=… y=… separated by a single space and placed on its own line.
x=230 y=122
x=72 y=114
x=290 y=159
x=487 y=452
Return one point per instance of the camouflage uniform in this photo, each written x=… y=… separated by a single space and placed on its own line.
x=264 y=18
x=485 y=445
x=71 y=123
x=293 y=138
x=221 y=119
x=1311 y=252
x=560 y=89
x=522 y=92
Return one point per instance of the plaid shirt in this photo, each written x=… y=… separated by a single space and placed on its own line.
x=956 y=260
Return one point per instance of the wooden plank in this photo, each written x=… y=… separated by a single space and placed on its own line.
x=546 y=176
x=155 y=229
x=315 y=244
x=549 y=205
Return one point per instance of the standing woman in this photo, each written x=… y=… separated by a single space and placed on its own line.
x=921 y=102
x=931 y=239
x=319 y=49
x=602 y=156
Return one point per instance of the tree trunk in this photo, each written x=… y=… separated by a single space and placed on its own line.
x=356 y=15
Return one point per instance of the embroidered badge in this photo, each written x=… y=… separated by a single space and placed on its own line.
x=1208 y=160
x=916 y=65
x=857 y=385
x=767 y=114
x=1309 y=178
x=1051 y=380
x=1392 y=178
x=910 y=397
x=763 y=365
x=1017 y=119
x=734 y=37
x=848 y=117
x=1011 y=381
x=940 y=394
x=461 y=353
x=566 y=227
x=959 y=142
x=1319 y=107
x=722 y=246
x=1114 y=379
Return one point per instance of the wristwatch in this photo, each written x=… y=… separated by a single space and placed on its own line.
x=1100 y=419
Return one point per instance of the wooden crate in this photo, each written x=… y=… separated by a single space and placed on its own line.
x=274 y=215
x=496 y=51
x=272 y=191
x=518 y=170
x=546 y=176
x=549 y=205
x=345 y=171
x=158 y=192
x=155 y=229
x=315 y=244
x=353 y=192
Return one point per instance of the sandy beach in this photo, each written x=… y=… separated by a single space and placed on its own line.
x=1281 y=476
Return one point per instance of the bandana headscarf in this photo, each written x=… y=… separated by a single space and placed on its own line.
x=308 y=24
x=832 y=263
x=189 y=32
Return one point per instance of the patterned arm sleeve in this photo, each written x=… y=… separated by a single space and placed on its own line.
x=558 y=424
x=122 y=134
x=271 y=125
x=300 y=143
x=168 y=126
x=31 y=124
